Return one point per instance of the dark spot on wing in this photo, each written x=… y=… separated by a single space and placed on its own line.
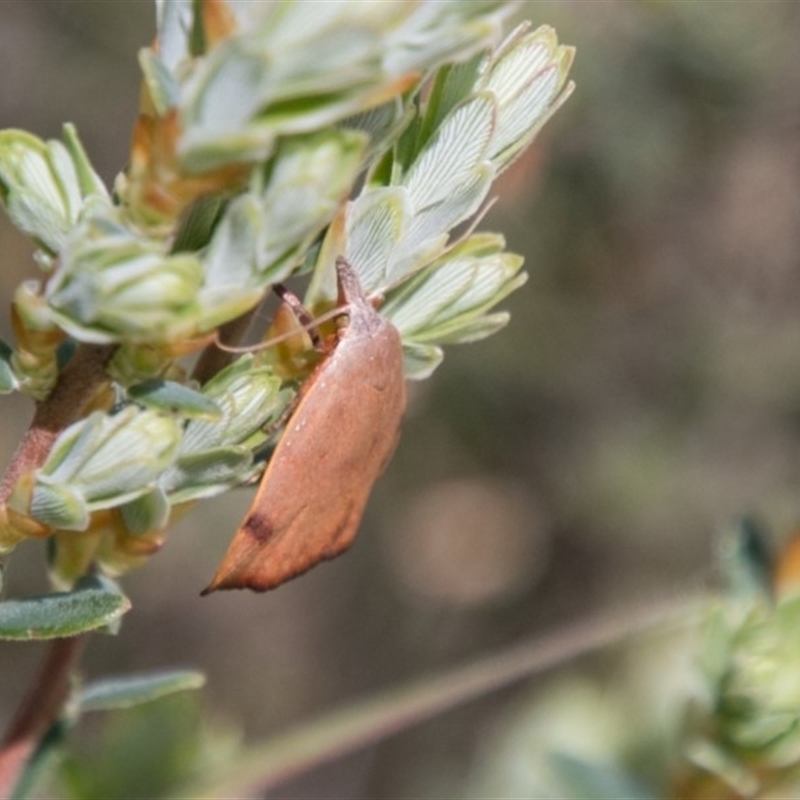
x=257 y=528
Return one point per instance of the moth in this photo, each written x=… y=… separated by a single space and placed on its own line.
x=335 y=445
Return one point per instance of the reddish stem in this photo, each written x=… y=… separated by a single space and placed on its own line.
x=39 y=710
x=75 y=388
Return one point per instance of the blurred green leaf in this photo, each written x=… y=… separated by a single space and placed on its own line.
x=420 y=360
x=140 y=752
x=132 y=690
x=265 y=232
x=253 y=86
x=583 y=779
x=746 y=561
x=174 y=23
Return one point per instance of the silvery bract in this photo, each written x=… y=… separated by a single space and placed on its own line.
x=100 y=462
x=45 y=186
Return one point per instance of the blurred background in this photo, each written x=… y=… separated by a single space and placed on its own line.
x=646 y=391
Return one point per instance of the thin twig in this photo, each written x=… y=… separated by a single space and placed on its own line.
x=375 y=718
x=76 y=386
x=39 y=710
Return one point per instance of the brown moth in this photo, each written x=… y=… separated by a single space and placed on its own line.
x=334 y=447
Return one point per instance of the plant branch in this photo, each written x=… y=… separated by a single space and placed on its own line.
x=75 y=387
x=39 y=710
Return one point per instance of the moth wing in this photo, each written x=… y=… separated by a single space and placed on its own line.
x=317 y=483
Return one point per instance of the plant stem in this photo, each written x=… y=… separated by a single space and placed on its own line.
x=75 y=388
x=39 y=710
x=76 y=385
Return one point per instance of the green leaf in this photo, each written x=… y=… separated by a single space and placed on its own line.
x=200 y=222
x=384 y=124
x=264 y=233
x=470 y=329
x=161 y=85
x=252 y=88
x=146 y=513
x=207 y=473
x=250 y=398
x=174 y=22
x=54 y=616
x=113 y=284
x=145 y=751
x=377 y=222
x=133 y=690
x=89 y=182
x=420 y=360
x=527 y=75
x=174 y=398
x=42 y=185
x=445 y=303
x=308 y=179
x=457 y=148
x=59 y=505
x=453 y=83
